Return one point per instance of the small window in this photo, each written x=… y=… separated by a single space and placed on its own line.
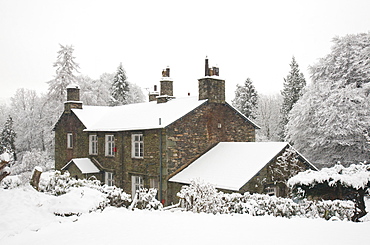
x=271 y=191
x=137 y=184
x=93 y=144
x=109 y=145
x=137 y=146
x=70 y=140
x=109 y=178
x=154 y=183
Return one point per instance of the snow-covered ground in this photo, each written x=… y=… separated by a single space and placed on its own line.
x=27 y=218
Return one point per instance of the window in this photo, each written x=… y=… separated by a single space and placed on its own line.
x=93 y=144
x=70 y=140
x=154 y=183
x=271 y=191
x=137 y=146
x=109 y=178
x=109 y=145
x=137 y=184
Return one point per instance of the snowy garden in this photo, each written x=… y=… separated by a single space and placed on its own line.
x=326 y=120
x=85 y=209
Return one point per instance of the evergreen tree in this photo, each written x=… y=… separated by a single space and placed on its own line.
x=292 y=91
x=66 y=67
x=331 y=122
x=120 y=88
x=246 y=99
x=7 y=138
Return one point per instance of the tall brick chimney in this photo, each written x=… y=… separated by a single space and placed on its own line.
x=212 y=87
x=73 y=98
x=166 y=92
x=166 y=83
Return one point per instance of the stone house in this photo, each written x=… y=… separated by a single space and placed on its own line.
x=143 y=145
x=140 y=145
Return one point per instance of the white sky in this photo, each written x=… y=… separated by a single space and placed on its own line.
x=255 y=39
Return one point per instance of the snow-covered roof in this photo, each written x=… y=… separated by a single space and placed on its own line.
x=139 y=116
x=356 y=176
x=73 y=85
x=230 y=165
x=84 y=164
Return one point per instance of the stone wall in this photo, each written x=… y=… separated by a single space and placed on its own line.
x=201 y=129
x=69 y=123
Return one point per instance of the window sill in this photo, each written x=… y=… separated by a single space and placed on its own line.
x=137 y=157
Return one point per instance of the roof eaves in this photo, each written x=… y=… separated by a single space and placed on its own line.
x=243 y=116
x=305 y=159
x=286 y=145
x=169 y=124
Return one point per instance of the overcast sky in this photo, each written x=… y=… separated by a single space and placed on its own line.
x=254 y=39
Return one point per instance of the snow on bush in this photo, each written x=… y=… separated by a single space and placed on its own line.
x=147 y=200
x=11 y=182
x=78 y=201
x=201 y=197
x=59 y=184
x=356 y=176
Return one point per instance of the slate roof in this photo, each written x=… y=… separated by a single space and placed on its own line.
x=230 y=165
x=139 y=116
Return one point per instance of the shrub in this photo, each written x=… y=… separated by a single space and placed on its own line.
x=200 y=197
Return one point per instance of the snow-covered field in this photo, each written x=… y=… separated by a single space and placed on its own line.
x=27 y=217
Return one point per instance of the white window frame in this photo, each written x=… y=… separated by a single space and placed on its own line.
x=109 y=179
x=93 y=144
x=271 y=191
x=69 y=140
x=137 y=146
x=137 y=183
x=109 y=145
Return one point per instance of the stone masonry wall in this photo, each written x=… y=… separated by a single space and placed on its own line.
x=197 y=132
x=203 y=128
x=69 y=123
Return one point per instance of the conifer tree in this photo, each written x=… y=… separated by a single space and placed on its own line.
x=292 y=91
x=7 y=138
x=66 y=67
x=120 y=88
x=246 y=98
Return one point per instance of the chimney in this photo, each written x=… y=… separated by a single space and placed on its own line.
x=73 y=98
x=166 y=93
x=153 y=94
x=211 y=87
x=206 y=72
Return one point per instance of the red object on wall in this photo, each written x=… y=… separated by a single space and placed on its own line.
x=115 y=149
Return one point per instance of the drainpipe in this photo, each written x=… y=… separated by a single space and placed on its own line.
x=160 y=163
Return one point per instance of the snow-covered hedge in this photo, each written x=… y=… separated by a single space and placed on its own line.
x=201 y=197
x=57 y=184
x=356 y=176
